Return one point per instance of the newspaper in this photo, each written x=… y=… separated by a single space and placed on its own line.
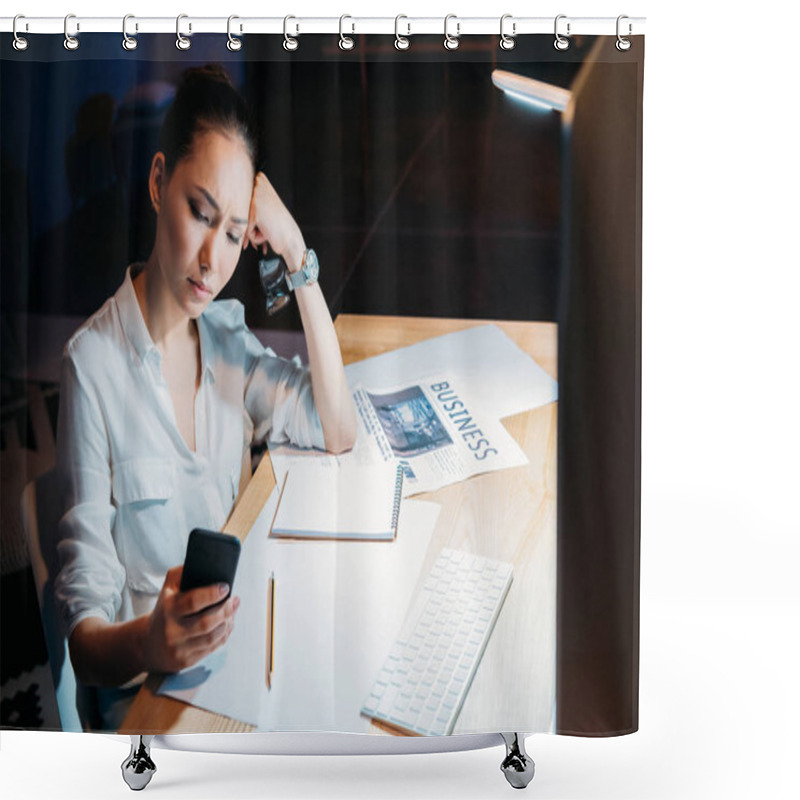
x=429 y=427
x=500 y=377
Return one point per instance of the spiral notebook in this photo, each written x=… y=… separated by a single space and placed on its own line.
x=355 y=501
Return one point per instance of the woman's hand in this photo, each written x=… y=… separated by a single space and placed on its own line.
x=271 y=223
x=182 y=628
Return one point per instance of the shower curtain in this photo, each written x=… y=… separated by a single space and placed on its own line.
x=467 y=560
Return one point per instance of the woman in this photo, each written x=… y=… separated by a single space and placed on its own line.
x=155 y=388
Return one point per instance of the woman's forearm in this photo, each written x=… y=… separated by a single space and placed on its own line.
x=332 y=397
x=270 y=222
x=108 y=654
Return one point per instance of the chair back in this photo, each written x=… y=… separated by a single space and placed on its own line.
x=40 y=515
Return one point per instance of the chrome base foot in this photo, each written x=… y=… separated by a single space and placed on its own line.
x=138 y=768
x=517 y=766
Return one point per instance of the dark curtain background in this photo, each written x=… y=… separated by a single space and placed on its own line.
x=422 y=192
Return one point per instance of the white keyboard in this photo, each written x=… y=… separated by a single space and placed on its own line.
x=422 y=684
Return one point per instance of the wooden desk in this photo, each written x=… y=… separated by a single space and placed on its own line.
x=508 y=515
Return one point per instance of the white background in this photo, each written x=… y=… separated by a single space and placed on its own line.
x=719 y=696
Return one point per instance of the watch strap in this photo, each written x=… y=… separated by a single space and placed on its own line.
x=301 y=276
x=296 y=279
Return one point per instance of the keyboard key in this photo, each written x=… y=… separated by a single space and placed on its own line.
x=386 y=704
x=424 y=721
x=372 y=703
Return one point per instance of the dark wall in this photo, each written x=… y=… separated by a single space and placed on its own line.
x=423 y=188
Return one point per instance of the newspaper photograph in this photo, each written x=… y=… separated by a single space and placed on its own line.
x=429 y=427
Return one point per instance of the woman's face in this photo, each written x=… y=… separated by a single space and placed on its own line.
x=202 y=218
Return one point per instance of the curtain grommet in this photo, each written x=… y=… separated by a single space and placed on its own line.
x=451 y=42
x=623 y=44
x=234 y=43
x=289 y=42
x=20 y=42
x=346 y=42
x=561 y=42
x=401 y=42
x=128 y=42
x=71 y=42
x=182 y=43
x=507 y=42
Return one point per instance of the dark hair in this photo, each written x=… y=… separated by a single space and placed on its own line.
x=206 y=100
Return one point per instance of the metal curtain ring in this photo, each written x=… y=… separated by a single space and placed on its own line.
x=346 y=42
x=622 y=43
x=451 y=42
x=234 y=43
x=128 y=42
x=561 y=42
x=289 y=43
x=182 y=43
x=507 y=42
x=70 y=42
x=401 y=42
x=20 y=42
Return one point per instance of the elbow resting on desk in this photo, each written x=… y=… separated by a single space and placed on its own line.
x=339 y=425
x=341 y=442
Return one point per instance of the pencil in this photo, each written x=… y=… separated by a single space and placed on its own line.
x=270 y=628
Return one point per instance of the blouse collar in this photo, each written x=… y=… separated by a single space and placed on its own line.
x=135 y=329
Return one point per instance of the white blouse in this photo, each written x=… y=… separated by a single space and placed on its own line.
x=132 y=490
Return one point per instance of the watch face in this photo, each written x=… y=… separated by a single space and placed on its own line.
x=312 y=266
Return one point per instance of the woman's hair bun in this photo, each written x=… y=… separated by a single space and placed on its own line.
x=206 y=99
x=215 y=72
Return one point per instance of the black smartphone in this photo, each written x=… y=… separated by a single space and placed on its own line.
x=211 y=557
x=272 y=272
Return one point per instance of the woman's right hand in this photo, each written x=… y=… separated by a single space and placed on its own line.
x=180 y=632
x=271 y=222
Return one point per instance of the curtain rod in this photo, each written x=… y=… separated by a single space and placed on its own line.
x=294 y=25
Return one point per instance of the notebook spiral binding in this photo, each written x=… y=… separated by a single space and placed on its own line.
x=347 y=43
x=398 y=496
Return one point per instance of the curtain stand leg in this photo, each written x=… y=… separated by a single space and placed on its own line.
x=138 y=768
x=517 y=766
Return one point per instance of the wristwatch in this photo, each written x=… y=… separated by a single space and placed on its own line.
x=307 y=274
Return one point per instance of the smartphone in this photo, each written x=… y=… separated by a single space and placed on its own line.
x=272 y=272
x=211 y=557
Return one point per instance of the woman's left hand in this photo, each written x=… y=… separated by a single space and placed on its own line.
x=271 y=223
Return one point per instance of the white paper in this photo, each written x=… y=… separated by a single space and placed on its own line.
x=375 y=589
x=229 y=681
x=338 y=608
x=492 y=369
x=301 y=695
